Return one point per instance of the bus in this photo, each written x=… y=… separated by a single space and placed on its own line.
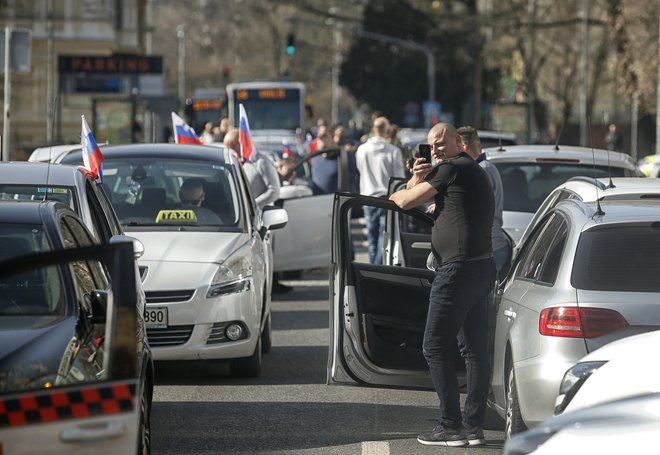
x=206 y=105
x=269 y=105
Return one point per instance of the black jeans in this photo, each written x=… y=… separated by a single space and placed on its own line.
x=459 y=300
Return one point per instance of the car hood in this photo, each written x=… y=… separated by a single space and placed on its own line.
x=29 y=351
x=189 y=246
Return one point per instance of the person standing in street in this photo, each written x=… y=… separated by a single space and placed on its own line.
x=261 y=172
x=377 y=160
x=458 y=303
x=471 y=144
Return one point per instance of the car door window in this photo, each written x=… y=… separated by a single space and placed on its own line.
x=552 y=261
x=530 y=264
x=99 y=219
x=110 y=215
x=91 y=275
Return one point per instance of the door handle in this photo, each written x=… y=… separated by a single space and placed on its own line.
x=421 y=245
x=509 y=314
x=93 y=432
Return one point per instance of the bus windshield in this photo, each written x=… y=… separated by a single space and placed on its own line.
x=269 y=107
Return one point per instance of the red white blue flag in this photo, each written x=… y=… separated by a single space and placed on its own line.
x=183 y=133
x=92 y=156
x=248 y=152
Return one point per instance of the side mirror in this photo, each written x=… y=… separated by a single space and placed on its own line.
x=274 y=217
x=138 y=246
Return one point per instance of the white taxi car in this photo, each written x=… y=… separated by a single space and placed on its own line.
x=207 y=265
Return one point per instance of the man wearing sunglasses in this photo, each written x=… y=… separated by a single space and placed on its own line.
x=192 y=195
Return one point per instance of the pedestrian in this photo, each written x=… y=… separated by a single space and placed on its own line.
x=223 y=128
x=260 y=171
x=377 y=160
x=264 y=182
x=471 y=144
x=461 y=242
x=207 y=135
x=325 y=165
x=613 y=138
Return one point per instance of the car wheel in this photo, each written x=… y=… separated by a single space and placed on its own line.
x=266 y=334
x=248 y=367
x=144 y=447
x=514 y=421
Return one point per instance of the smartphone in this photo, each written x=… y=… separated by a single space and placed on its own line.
x=424 y=151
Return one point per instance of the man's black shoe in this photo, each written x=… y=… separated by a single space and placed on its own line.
x=475 y=436
x=442 y=437
x=279 y=288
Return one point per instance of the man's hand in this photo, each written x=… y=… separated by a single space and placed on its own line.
x=430 y=209
x=420 y=170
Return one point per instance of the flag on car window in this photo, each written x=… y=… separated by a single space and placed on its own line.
x=92 y=156
x=244 y=138
x=183 y=133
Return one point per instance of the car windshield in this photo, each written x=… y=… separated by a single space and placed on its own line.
x=167 y=193
x=63 y=194
x=619 y=258
x=34 y=293
x=526 y=185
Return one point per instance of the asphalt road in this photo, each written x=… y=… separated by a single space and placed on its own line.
x=289 y=409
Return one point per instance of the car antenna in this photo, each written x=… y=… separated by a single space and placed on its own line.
x=609 y=168
x=561 y=130
x=499 y=136
x=599 y=210
x=50 y=146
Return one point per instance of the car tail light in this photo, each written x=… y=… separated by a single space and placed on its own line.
x=573 y=322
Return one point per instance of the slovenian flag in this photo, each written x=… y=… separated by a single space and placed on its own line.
x=244 y=138
x=184 y=134
x=92 y=156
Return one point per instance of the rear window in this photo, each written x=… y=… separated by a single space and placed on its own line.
x=619 y=258
x=63 y=194
x=526 y=185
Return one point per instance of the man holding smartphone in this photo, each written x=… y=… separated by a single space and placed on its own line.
x=461 y=242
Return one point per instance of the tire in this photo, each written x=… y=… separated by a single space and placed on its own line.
x=266 y=336
x=144 y=447
x=248 y=367
x=513 y=418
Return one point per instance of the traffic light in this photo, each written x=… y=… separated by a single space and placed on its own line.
x=290 y=44
x=226 y=72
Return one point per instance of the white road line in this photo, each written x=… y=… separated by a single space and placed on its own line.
x=375 y=448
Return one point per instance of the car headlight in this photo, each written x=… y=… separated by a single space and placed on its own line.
x=233 y=274
x=572 y=381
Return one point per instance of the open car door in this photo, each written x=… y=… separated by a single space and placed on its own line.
x=407 y=241
x=378 y=312
x=304 y=243
x=69 y=412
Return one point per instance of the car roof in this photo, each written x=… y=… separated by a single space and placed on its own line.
x=25 y=172
x=416 y=135
x=157 y=150
x=50 y=153
x=566 y=153
x=624 y=188
x=614 y=211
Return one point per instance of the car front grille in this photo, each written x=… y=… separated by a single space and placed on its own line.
x=171 y=336
x=169 y=296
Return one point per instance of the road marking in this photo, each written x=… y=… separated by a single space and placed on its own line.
x=375 y=448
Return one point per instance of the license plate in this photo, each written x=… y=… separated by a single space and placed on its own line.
x=156 y=318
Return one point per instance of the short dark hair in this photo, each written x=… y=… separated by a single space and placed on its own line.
x=470 y=137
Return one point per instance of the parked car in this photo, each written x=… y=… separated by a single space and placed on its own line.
x=207 y=265
x=618 y=370
x=51 y=153
x=622 y=426
x=530 y=173
x=585 y=276
x=74 y=361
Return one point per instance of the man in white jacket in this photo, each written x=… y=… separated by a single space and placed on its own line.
x=377 y=160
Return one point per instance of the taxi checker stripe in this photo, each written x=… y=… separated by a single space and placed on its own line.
x=52 y=405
